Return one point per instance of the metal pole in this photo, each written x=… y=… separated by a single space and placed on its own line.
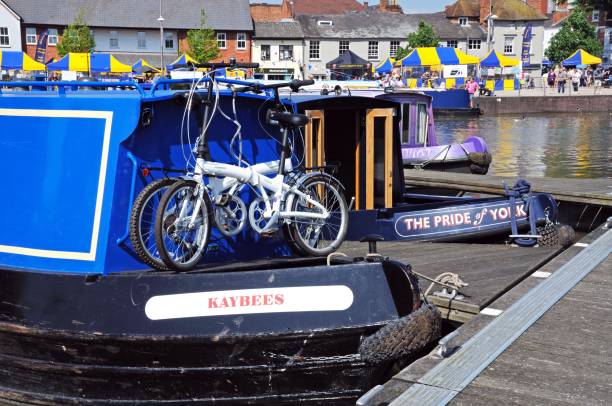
x=161 y=38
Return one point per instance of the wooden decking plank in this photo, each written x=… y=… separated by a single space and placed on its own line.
x=593 y=191
x=564 y=358
x=489 y=269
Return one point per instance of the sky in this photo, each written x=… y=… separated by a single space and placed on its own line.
x=409 y=6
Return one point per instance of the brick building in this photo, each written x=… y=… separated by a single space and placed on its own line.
x=130 y=29
x=262 y=12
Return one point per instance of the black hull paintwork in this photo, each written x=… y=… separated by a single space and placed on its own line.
x=70 y=339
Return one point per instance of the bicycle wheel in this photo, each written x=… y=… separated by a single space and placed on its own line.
x=181 y=234
x=142 y=221
x=319 y=237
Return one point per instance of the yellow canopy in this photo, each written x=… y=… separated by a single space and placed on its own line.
x=581 y=57
x=83 y=62
x=494 y=60
x=17 y=60
x=430 y=56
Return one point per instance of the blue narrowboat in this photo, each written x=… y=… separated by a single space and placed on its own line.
x=84 y=321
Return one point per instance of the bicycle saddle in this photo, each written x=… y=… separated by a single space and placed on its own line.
x=289 y=119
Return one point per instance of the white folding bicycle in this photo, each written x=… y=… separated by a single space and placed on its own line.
x=310 y=207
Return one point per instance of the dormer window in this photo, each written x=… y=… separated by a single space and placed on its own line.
x=463 y=21
x=325 y=22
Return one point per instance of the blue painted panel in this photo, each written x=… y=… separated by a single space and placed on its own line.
x=53 y=191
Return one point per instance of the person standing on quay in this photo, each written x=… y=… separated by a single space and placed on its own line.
x=552 y=77
x=576 y=76
x=561 y=80
x=472 y=87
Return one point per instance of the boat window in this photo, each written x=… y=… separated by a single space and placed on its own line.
x=422 y=124
x=406 y=123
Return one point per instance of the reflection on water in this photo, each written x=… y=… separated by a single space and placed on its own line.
x=557 y=146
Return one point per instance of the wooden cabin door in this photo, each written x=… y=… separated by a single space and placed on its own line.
x=379 y=158
x=315 y=139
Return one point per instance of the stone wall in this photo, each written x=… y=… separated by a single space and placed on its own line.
x=544 y=104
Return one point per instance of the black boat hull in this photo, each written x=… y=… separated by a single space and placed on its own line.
x=69 y=339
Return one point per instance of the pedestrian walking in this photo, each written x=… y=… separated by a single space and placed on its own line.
x=551 y=78
x=576 y=76
x=561 y=80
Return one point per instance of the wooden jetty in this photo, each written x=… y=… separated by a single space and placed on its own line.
x=488 y=269
x=589 y=191
x=545 y=341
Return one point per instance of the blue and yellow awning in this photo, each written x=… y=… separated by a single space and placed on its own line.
x=495 y=60
x=142 y=66
x=83 y=62
x=385 y=66
x=437 y=56
x=581 y=57
x=17 y=60
x=182 y=60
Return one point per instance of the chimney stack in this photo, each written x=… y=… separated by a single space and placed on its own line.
x=383 y=5
x=365 y=4
x=485 y=10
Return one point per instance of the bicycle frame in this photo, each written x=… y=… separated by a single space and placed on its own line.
x=262 y=184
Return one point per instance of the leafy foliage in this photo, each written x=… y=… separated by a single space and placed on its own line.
x=202 y=42
x=424 y=36
x=604 y=5
x=575 y=33
x=76 y=38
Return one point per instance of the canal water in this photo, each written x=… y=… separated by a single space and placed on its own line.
x=557 y=146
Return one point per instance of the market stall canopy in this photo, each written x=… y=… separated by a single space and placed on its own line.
x=385 y=66
x=83 y=62
x=348 y=60
x=142 y=66
x=581 y=57
x=184 y=59
x=437 y=56
x=17 y=60
x=495 y=60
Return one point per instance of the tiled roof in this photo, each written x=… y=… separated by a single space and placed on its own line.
x=279 y=29
x=178 y=14
x=463 y=8
x=509 y=10
x=376 y=24
x=311 y=7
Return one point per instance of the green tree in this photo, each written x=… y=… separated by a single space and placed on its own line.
x=202 y=42
x=575 y=33
x=76 y=38
x=424 y=36
x=604 y=5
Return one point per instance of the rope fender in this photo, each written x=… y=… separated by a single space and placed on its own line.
x=521 y=190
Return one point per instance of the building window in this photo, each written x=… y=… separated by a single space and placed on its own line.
x=222 y=40
x=463 y=21
x=325 y=22
x=4 y=37
x=373 y=50
x=31 y=36
x=169 y=40
x=314 y=50
x=113 y=40
x=285 y=52
x=241 y=40
x=595 y=16
x=610 y=37
x=394 y=46
x=52 y=36
x=474 y=44
x=265 y=52
x=142 y=39
x=344 y=46
x=452 y=43
x=508 y=45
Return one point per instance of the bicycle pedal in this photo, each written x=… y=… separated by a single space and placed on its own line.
x=223 y=199
x=268 y=234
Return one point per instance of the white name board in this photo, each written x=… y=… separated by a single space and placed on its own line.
x=455 y=71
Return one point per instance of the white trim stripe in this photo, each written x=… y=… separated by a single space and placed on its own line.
x=107 y=116
x=488 y=311
x=541 y=274
x=581 y=245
